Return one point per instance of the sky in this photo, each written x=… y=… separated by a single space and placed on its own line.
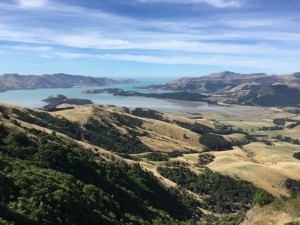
x=149 y=38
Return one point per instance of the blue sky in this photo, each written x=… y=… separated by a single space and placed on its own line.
x=132 y=38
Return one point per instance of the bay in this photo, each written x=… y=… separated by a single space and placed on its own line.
x=33 y=98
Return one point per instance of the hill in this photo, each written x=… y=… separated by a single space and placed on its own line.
x=272 y=95
x=60 y=80
x=228 y=82
x=95 y=164
x=50 y=178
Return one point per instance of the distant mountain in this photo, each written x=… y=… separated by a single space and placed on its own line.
x=59 y=80
x=229 y=82
x=271 y=95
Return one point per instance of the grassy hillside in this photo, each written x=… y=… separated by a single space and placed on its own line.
x=272 y=95
x=136 y=166
x=46 y=179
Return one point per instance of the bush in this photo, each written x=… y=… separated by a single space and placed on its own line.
x=262 y=198
x=156 y=156
x=297 y=155
x=279 y=122
x=215 y=142
x=205 y=158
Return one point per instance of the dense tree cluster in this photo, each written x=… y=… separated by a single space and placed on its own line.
x=147 y=113
x=102 y=134
x=205 y=158
x=196 y=127
x=214 y=142
x=279 y=122
x=264 y=128
x=297 y=155
x=294 y=141
x=157 y=156
x=293 y=186
x=45 y=179
x=222 y=194
x=163 y=156
x=110 y=138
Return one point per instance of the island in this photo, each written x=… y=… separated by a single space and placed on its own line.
x=180 y=96
x=56 y=100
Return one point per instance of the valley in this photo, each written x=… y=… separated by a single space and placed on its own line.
x=149 y=112
x=224 y=146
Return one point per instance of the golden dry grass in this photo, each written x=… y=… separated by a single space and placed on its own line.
x=170 y=137
x=265 y=216
x=78 y=114
x=267 y=167
x=234 y=138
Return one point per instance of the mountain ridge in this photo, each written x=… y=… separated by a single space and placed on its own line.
x=14 y=81
x=228 y=82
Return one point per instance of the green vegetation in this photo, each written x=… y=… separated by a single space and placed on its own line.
x=227 y=129
x=214 y=142
x=264 y=128
x=147 y=113
x=233 y=219
x=297 y=155
x=157 y=156
x=175 y=154
x=108 y=137
x=293 y=125
x=48 y=180
x=282 y=122
x=55 y=100
x=176 y=164
x=160 y=156
x=102 y=134
x=262 y=198
x=272 y=95
x=287 y=139
x=205 y=158
x=44 y=119
x=196 y=127
x=279 y=122
x=222 y=194
x=293 y=186
x=292 y=223
x=182 y=96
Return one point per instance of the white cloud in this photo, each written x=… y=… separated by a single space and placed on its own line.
x=32 y=3
x=47 y=56
x=214 y=60
x=215 y=3
x=70 y=55
x=31 y=48
x=220 y=40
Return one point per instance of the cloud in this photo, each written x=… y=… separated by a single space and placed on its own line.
x=47 y=56
x=212 y=60
x=32 y=48
x=215 y=3
x=32 y=3
x=245 y=39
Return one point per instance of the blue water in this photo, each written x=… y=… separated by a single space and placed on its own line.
x=32 y=98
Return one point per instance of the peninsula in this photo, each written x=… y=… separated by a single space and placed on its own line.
x=180 y=96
